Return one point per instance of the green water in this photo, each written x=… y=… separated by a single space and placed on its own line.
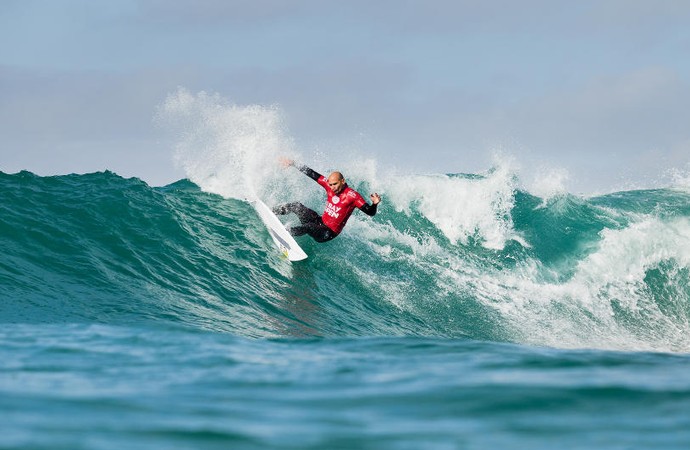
x=140 y=317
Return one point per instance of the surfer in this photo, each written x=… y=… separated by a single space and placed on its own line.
x=340 y=203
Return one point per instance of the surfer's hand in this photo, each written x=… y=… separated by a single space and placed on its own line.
x=375 y=198
x=286 y=162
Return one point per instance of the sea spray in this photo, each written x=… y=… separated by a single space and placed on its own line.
x=548 y=183
x=225 y=148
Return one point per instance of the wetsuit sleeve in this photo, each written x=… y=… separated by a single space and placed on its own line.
x=368 y=209
x=309 y=172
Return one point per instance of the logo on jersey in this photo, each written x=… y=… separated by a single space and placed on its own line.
x=335 y=199
x=332 y=210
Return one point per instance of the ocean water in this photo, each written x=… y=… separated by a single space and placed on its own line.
x=472 y=312
x=162 y=317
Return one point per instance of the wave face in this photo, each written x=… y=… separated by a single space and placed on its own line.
x=447 y=256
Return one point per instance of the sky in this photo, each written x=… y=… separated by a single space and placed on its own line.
x=597 y=90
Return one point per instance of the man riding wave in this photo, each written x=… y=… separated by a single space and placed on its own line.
x=340 y=203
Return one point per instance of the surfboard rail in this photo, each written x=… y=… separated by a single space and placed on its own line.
x=279 y=234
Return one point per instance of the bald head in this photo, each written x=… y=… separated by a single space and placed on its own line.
x=337 y=182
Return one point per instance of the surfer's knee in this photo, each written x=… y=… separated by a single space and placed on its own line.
x=324 y=235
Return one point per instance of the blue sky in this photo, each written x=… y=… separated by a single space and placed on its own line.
x=599 y=89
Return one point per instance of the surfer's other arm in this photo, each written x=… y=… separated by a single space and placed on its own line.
x=368 y=209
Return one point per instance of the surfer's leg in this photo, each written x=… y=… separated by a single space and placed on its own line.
x=322 y=234
x=299 y=230
x=281 y=210
x=306 y=215
x=317 y=230
x=311 y=222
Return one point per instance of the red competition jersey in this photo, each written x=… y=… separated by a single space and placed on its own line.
x=339 y=207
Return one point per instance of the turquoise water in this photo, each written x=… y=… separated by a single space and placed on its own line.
x=469 y=313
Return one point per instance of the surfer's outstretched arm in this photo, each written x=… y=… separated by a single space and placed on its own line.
x=309 y=172
x=302 y=168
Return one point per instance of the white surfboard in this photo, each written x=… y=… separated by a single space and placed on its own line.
x=283 y=240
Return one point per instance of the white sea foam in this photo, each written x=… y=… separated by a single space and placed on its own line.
x=548 y=182
x=461 y=207
x=607 y=303
x=680 y=179
x=224 y=148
